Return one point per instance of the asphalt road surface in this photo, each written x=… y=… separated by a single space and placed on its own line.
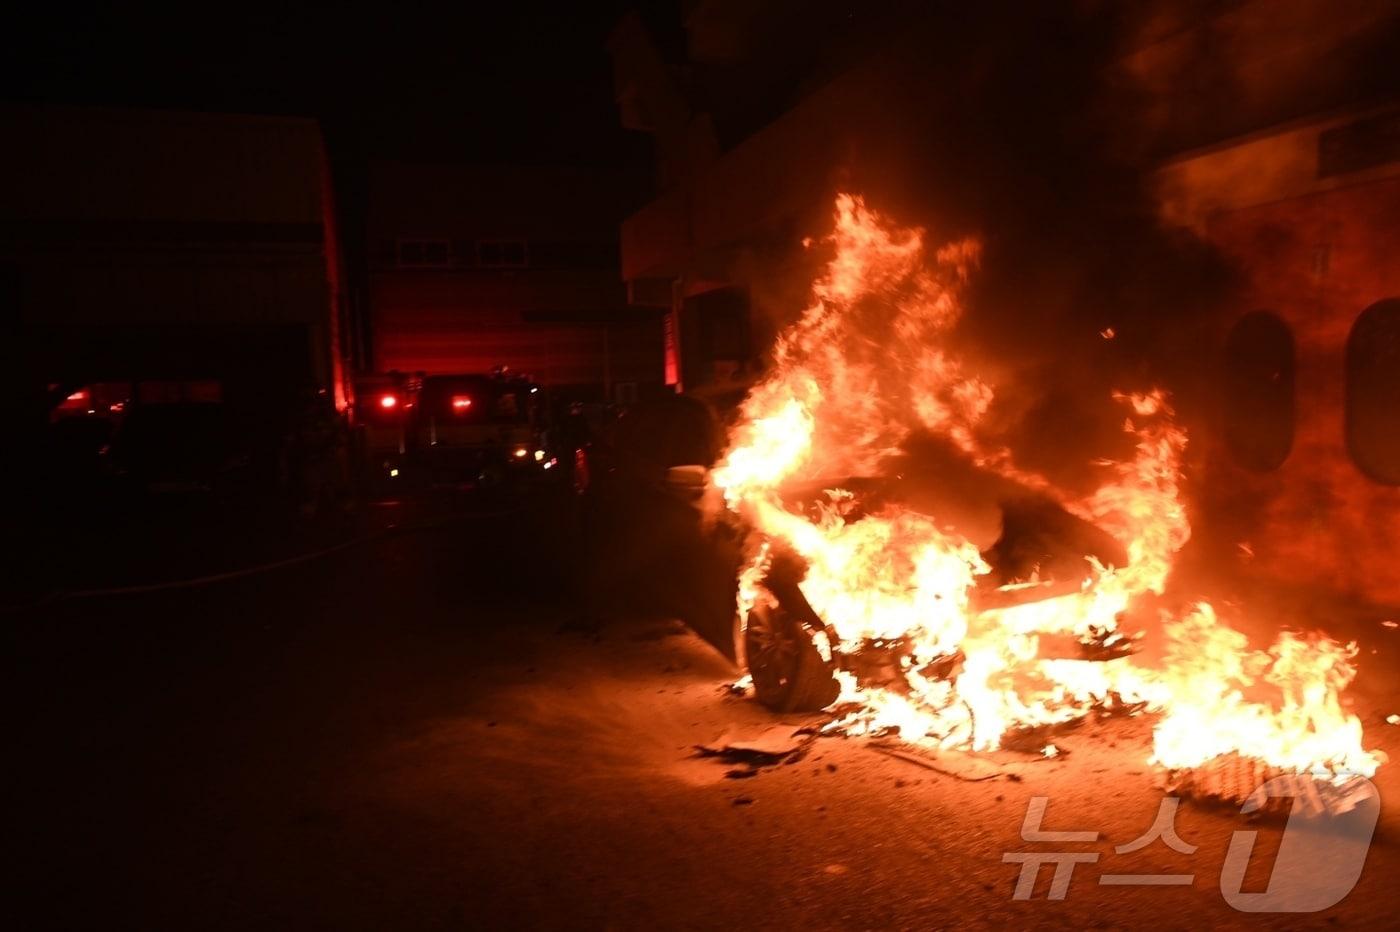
x=421 y=732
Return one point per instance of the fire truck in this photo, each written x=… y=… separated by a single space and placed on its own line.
x=458 y=432
x=381 y=412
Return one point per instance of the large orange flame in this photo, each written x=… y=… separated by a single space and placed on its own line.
x=866 y=365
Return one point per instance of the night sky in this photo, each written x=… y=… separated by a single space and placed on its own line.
x=460 y=82
x=464 y=82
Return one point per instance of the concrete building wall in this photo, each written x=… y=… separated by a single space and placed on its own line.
x=474 y=267
x=126 y=221
x=1316 y=249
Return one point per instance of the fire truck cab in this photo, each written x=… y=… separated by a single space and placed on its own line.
x=480 y=431
x=384 y=405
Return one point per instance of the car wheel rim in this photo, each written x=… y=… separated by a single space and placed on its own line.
x=772 y=652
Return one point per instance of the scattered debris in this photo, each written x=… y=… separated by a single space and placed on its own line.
x=778 y=744
x=1393 y=719
x=772 y=743
x=883 y=663
x=743 y=801
x=740 y=687
x=1114 y=706
x=1051 y=751
x=1034 y=739
x=1238 y=781
x=1390 y=624
x=949 y=763
x=1098 y=644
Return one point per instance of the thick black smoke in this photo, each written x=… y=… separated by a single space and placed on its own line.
x=1028 y=128
x=1014 y=131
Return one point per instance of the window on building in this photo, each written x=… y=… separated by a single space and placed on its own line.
x=1259 y=391
x=715 y=339
x=502 y=254
x=1373 y=391
x=424 y=253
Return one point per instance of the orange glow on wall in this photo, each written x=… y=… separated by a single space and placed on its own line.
x=671 y=344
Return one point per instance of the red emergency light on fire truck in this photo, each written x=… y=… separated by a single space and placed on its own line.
x=461 y=431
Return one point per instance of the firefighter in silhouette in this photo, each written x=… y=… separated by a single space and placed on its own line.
x=319 y=459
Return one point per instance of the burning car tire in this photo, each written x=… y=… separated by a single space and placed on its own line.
x=789 y=674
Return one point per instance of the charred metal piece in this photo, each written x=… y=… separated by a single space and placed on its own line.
x=1040 y=537
x=1098 y=645
x=946 y=667
x=1114 y=706
x=1033 y=739
x=879 y=662
x=1233 y=780
x=1106 y=645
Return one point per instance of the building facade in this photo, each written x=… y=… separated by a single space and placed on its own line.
x=146 y=244
x=476 y=267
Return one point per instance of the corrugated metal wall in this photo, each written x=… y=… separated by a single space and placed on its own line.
x=443 y=341
x=558 y=312
x=560 y=326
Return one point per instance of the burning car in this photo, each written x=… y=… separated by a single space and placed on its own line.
x=793 y=657
x=854 y=598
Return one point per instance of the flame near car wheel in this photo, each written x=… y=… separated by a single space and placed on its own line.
x=789 y=673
